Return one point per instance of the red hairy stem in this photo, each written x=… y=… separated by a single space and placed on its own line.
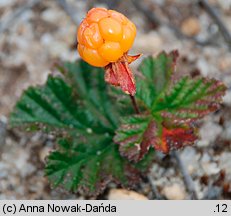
x=134 y=104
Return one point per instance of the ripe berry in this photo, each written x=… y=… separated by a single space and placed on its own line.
x=104 y=36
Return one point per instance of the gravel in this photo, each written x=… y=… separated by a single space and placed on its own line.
x=45 y=34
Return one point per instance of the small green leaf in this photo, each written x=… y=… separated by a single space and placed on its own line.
x=51 y=105
x=155 y=78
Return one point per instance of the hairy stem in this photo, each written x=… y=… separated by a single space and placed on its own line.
x=134 y=104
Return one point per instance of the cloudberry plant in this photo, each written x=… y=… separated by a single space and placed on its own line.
x=104 y=38
x=100 y=140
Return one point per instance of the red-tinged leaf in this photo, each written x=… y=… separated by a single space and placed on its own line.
x=191 y=99
x=125 y=78
x=119 y=74
x=139 y=133
x=135 y=136
x=150 y=138
x=131 y=59
x=176 y=138
x=110 y=76
x=172 y=108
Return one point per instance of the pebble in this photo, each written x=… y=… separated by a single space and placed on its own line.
x=205 y=158
x=21 y=163
x=122 y=194
x=225 y=63
x=155 y=43
x=174 y=192
x=4 y=167
x=212 y=193
x=203 y=66
x=208 y=165
x=210 y=168
x=44 y=153
x=51 y=15
x=208 y=133
x=225 y=4
x=227 y=132
x=190 y=158
x=191 y=26
x=227 y=98
x=225 y=163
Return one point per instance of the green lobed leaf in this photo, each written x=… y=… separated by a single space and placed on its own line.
x=51 y=105
x=171 y=108
x=136 y=134
x=89 y=84
x=155 y=77
x=80 y=105
x=191 y=99
x=90 y=169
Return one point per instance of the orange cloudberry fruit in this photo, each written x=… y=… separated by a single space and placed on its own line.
x=104 y=38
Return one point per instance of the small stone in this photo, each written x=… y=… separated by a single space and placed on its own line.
x=44 y=153
x=210 y=168
x=224 y=4
x=174 y=192
x=225 y=63
x=205 y=158
x=225 y=164
x=190 y=158
x=203 y=66
x=213 y=193
x=4 y=170
x=191 y=26
x=209 y=132
x=146 y=43
x=227 y=132
x=227 y=98
x=122 y=194
x=51 y=15
x=22 y=164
